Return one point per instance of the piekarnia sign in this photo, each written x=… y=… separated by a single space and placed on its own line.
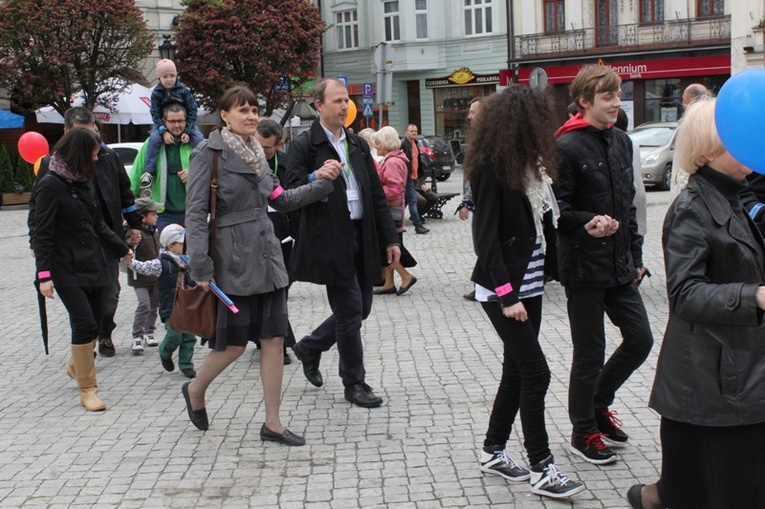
x=463 y=76
x=636 y=70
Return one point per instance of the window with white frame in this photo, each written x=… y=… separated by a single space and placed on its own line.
x=421 y=18
x=347 y=29
x=478 y=17
x=390 y=16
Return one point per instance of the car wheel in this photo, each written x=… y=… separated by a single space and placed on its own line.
x=443 y=177
x=666 y=179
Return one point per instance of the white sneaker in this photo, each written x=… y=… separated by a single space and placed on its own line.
x=499 y=463
x=137 y=345
x=548 y=481
x=150 y=341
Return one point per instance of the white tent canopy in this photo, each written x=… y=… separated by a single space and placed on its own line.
x=131 y=106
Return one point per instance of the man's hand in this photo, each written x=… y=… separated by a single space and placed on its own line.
x=330 y=170
x=425 y=187
x=393 y=255
x=128 y=257
x=759 y=296
x=185 y=138
x=46 y=289
x=601 y=226
x=168 y=138
x=183 y=175
x=516 y=312
x=464 y=213
x=639 y=274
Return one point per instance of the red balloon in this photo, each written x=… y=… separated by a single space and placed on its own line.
x=32 y=146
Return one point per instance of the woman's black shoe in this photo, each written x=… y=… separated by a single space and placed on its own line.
x=197 y=417
x=635 y=496
x=286 y=438
x=389 y=291
x=404 y=289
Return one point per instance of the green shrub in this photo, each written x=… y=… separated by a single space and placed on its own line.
x=24 y=176
x=7 y=185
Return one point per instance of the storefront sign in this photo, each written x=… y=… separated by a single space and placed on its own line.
x=633 y=70
x=462 y=77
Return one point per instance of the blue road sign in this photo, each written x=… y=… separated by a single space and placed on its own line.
x=367 y=91
x=344 y=79
x=368 y=113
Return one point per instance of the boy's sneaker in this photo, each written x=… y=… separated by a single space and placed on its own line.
x=591 y=448
x=168 y=364
x=106 y=347
x=548 y=481
x=150 y=340
x=189 y=373
x=146 y=180
x=610 y=426
x=137 y=345
x=499 y=463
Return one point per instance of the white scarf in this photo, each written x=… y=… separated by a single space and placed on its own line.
x=542 y=200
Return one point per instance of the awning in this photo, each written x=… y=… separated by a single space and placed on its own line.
x=10 y=120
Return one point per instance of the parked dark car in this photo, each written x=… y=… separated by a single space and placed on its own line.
x=440 y=153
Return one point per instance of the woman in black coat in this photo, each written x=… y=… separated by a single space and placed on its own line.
x=710 y=377
x=68 y=243
x=510 y=144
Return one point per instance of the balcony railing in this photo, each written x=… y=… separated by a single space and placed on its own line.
x=608 y=39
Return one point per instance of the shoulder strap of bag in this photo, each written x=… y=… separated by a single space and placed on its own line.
x=213 y=201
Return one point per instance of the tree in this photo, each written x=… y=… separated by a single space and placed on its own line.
x=255 y=42
x=6 y=171
x=54 y=48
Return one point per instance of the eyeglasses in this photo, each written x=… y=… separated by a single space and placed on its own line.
x=182 y=121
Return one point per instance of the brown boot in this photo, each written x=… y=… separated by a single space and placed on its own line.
x=70 y=368
x=85 y=373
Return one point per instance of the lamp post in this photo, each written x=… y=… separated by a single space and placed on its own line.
x=167 y=48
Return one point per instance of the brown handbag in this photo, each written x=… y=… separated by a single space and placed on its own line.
x=195 y=311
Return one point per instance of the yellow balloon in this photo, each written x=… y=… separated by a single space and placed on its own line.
x=351 y=113
x=36 y=167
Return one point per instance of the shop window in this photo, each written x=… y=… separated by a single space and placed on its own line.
x=663 y=100
x=710 y=8
x=651 y=11
x=555 y=15
x=478 y=17
x=452 y=105
x=347 y=29
x=421 y=18
x=391 y=19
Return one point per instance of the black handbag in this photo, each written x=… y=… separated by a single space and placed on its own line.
x=195 y=311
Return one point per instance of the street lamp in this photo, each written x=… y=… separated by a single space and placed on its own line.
x=167 y=48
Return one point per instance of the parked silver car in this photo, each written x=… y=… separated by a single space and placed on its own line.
x=657 y=147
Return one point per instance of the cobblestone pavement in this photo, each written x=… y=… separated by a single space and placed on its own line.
x=430 y=354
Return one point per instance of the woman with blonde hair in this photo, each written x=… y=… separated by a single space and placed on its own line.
x=710 y=377
x=392 y=172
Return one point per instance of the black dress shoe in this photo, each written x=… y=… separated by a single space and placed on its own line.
x=404 y=289
x=197 y=417
x=389 y=291
x=287 y=358
x=310 y=362
x=286 y=438
x=469 y=296
x=361 y=394
x=421 y=230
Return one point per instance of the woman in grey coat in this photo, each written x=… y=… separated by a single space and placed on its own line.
x=247 y=263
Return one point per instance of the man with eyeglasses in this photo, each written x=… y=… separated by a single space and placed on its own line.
x=169 y=185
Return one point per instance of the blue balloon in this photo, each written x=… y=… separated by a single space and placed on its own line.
x=740 y=117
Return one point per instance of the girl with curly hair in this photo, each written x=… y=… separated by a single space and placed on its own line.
x=510 y=164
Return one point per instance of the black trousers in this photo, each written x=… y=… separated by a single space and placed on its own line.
x=711 y=468
x=351 y=305
x=593 y=384
x=85 y=308
x=524 y=382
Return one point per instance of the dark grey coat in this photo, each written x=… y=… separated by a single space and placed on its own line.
x=248 y=258
x=711 y=369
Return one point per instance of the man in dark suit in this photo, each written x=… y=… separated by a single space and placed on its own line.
x=340 y=239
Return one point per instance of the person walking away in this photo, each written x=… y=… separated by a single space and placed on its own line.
x=68 y=240
x=166 y=268
x=415 y=167
x=340 y=240
x=509 y=167
x=600 y=260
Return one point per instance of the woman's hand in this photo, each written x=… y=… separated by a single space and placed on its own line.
x=46 y=289
x=760 y=296
x=205 y=285
x=516 y=312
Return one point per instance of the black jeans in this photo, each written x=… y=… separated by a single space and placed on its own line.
x=593 y=385
x=106 y=324
x=350 y=306
x=524 y=382
x=85 y=307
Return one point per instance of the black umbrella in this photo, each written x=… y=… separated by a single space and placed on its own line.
x=43 y=314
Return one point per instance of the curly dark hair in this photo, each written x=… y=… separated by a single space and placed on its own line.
x=512 y=133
